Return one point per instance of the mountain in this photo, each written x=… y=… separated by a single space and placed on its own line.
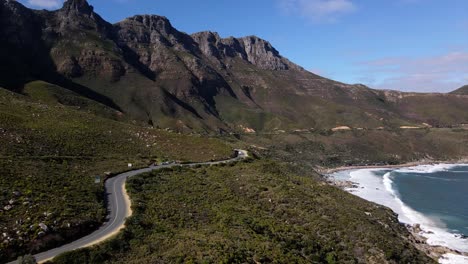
x=461 y=91
x=78 y=88
x=147 y=69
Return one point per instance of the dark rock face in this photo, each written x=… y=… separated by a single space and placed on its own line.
x=79 y=15
x=77 y=7
x=70 y=67
x=22 y=53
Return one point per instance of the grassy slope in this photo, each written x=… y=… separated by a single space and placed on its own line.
x=50 y=154
x=50 y=94
x=290 y=100
x=438 y=110
x=250 y=212
x=43 y=137
x=361 y=147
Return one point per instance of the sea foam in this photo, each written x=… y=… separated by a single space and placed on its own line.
x=429 y=168
x=453 y=259
x=381 y=190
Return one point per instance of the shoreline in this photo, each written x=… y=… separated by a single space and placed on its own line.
x=417 y=236
x=325 y=171
x=435 y=252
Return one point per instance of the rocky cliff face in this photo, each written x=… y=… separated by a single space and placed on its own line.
x=80 y=42
x=79 y=15
x=170 y=58
x=252 y=49
x=154 y=72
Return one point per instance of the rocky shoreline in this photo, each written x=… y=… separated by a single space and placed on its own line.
x=418 y=239
x=416 y=236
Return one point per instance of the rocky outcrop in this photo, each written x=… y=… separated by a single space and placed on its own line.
x=169 y=57
x=152 y=29
x=209 y=43
x=154 y=43
x=79 y=15
x=70 y=67
x=261 y=54
x=252 y=49
x=81 y=42
x=77 y=7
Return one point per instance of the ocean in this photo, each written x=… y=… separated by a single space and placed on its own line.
x=434 y=196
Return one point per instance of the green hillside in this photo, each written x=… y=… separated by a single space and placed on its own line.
x=259 y=212
x=53 y=146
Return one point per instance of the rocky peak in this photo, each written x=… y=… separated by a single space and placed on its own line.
x=153 y=29
x=13 y=7
x=79 y=15
x=206 y=36
x=253 y=49
x=152 y=23
x=254 y=44
x=17 y=23
x=262 y=54
x=77 y=7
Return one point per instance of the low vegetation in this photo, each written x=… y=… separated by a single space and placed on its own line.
x=258 y=212
x=329 y=149
x=56 y=144
x=53 y=151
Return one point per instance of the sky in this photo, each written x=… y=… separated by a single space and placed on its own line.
x=408 y=45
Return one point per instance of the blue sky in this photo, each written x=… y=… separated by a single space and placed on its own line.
x=409 y=45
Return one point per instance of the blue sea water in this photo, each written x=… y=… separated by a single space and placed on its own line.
x=434 y=196
x=441 y=195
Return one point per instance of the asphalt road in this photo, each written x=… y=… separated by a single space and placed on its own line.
x=118 y=209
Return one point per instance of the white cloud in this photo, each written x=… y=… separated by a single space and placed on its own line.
x=441 y=73
x=45 y=3
x=318 y=10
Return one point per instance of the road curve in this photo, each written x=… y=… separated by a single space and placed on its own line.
x=118 y=208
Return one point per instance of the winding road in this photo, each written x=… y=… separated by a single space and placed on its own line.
x=118 y=209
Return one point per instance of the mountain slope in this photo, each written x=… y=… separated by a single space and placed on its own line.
x=462 y=90
x=152 y=72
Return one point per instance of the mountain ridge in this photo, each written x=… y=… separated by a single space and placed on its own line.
x=152 y=72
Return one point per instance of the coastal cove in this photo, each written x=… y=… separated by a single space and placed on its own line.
x=429 y=199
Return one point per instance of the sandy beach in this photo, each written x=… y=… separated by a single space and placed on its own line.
x=365 y=186
x=325 y=171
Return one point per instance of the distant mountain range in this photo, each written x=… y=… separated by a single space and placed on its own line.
x=150 y=71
